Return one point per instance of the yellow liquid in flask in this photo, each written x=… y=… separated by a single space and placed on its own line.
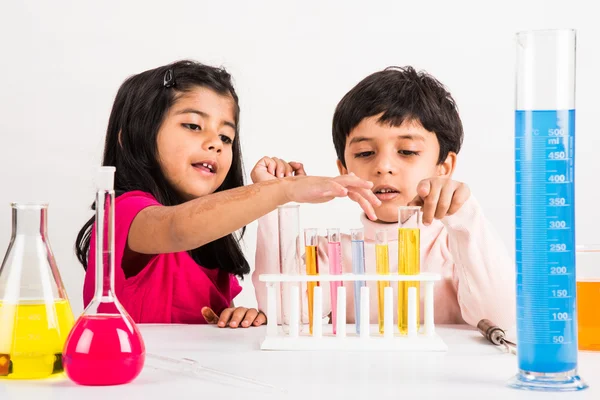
x=32 y=336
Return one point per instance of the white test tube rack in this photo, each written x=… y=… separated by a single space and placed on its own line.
x=369 y=339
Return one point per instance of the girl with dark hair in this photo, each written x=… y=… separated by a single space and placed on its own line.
x=182 y=207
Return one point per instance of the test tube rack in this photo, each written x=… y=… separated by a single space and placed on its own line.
x=345 y=339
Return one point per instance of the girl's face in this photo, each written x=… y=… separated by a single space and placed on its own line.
x=195 y=142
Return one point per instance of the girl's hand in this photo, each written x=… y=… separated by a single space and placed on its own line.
x=440 y=197
x=269 y=168
x=235 y=317
x=317 y=189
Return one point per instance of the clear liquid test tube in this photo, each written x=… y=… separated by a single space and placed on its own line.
x=358 y=268
x=289 y=257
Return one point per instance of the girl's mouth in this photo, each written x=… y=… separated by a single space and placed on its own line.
x=206 y=167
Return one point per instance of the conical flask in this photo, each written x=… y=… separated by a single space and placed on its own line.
x=35 y=314
x=105 y=346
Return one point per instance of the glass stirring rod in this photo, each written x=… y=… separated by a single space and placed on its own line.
x=195 y=369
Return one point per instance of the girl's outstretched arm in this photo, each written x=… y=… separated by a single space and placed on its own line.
x=190 y=225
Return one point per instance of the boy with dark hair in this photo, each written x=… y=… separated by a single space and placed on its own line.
x=401 y=130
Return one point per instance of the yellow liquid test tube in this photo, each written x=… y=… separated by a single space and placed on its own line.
x=409 y=261
x=312 y=268
x=382 y=267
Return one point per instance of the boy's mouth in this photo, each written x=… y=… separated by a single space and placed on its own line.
x=207 y=167
x=385 y=192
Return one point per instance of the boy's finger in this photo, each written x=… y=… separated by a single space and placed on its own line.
x=364 y=204
x=250 y=316
x=445 y=201
x=224 y=318
x=237 y=317
x=417 y=201
x=430 y=203
x=459 y=198
x=298 y=168
x=424 y=188
x=260 y=319
x=209 y=315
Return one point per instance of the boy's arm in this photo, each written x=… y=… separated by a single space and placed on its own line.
x=484 y=272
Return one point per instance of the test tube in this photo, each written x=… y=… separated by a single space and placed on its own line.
x=334 y=250
x=382 y=266
x=409 y=262
x=289 y=257
x=358 y=268
x=311 y=239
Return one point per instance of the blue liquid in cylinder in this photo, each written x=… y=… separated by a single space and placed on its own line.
x=545 y=240
x=358 y=267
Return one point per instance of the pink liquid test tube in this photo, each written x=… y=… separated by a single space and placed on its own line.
x=334 y=247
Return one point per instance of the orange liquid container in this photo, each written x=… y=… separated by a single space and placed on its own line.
x=588 y=297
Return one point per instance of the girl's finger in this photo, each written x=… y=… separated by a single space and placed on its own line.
x=367 y=195
x=209 y=315
x=289 y=171
x=260 y=319
x=364 y=204
x=249 y=318
x=353 y=180
x=237 y=317
x=271 y=165
x=334 y=189
x=280 y=170
x=298 y=168
x=224 y=318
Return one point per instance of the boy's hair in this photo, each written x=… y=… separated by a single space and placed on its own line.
x=138 y=112
x=400 y=94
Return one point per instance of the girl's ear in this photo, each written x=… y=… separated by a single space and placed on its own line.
x=447 y=167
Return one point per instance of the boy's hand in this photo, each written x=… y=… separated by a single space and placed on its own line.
x=440 y=197
x=235 y=317
x=269 y=168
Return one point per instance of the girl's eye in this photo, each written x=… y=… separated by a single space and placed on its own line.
x=364 y=154
x=226 y=139
x=192 y=127
x=408 y=153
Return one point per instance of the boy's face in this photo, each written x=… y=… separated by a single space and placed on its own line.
x=395 y=159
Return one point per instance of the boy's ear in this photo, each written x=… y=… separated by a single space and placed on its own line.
x=446 y=168
x=341 y=168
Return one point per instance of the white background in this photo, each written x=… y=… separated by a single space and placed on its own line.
x=62 y=63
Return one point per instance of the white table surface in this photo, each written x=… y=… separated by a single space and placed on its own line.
x=469 y=369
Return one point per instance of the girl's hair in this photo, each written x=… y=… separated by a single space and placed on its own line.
x=139 y=109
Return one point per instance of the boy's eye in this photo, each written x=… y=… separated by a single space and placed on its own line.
x=192 y=127
x=408 y=153
x=363 y=154
x=226 y=139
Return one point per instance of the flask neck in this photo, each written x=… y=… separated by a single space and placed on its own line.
x=30 y=219
x=105 y=274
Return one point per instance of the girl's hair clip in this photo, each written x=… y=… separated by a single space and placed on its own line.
x=169 y=79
